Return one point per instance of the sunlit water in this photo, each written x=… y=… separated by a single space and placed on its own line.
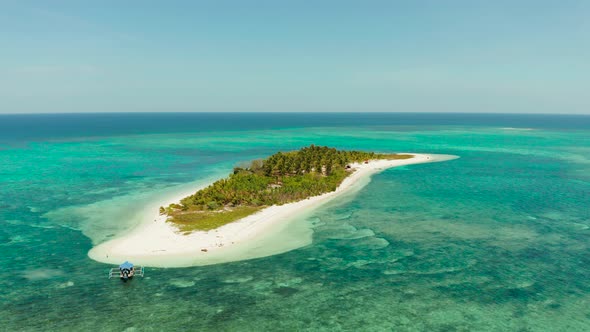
x=498 y=240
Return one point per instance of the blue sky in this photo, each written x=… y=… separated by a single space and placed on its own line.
x=395 y=56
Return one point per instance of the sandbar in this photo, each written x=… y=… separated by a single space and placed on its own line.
x=273 y=230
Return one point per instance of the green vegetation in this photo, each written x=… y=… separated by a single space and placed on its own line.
x=208 y=220
x=279 y=179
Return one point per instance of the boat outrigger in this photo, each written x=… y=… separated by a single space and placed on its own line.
x=126 y=271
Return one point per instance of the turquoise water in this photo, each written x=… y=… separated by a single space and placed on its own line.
x=498 y=240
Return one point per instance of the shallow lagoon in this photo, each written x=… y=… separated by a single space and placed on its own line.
x=496 y=240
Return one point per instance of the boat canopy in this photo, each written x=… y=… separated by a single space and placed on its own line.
x=126 y=265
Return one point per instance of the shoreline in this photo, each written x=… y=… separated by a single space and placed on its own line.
x=273 y=230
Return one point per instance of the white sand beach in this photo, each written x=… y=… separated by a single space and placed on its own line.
x=271 y=231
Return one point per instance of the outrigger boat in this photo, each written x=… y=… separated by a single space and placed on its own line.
x=126 y=271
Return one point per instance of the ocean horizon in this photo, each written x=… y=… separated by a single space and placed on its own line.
x=497 y=240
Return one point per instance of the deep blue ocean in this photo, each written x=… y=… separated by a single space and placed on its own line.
x=497 y=240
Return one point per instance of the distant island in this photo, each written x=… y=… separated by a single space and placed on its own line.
x=282 y=178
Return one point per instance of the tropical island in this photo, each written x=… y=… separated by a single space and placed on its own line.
x=259 y=210
x=282 y=178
